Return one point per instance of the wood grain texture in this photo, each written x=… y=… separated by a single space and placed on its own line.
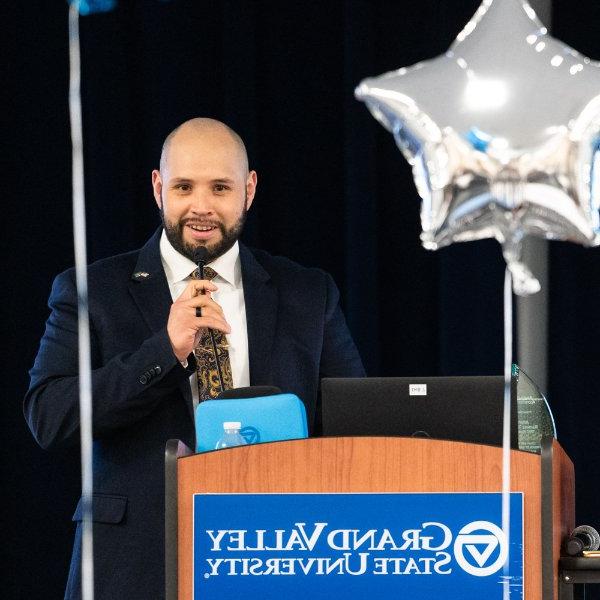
x=563 y=503
x=372 y=464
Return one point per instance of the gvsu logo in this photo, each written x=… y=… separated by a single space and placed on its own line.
x=481 y=548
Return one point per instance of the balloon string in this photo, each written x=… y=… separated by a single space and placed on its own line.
x=508 y=344
x=85 y=373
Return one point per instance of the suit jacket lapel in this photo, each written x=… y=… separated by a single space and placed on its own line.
x=150 y=291
x=260 y=297
x=149 y=286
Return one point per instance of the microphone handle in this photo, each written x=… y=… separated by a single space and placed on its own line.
x=212 y=337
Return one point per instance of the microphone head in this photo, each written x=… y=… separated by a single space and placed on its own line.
x=200 y=254
x=590 y=535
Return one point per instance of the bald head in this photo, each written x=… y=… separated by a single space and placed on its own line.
x=203 y=189
x=202 y=129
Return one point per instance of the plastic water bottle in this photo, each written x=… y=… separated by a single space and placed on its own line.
x=231 y=436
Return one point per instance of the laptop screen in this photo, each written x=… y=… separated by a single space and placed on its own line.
x=467 y=409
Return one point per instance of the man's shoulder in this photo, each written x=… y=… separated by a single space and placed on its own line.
x=123 y=267
x=111 y=266
x=111 y=271
x=284 y=269
x=119 y=263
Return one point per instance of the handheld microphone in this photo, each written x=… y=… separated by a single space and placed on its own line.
x=582 y=538
x=200 y=256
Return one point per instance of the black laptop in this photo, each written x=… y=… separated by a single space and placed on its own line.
x=468 y=409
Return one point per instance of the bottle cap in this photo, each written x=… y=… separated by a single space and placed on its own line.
x=232 y=425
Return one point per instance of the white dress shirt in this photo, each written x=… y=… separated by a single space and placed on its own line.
x=229 y=296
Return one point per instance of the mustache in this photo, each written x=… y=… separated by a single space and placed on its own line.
x=200 y=222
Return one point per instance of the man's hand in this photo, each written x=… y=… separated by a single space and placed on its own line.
x=184 y=327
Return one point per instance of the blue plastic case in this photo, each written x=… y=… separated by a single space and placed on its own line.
x=263 y=419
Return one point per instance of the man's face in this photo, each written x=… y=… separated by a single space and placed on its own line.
x=203 y=191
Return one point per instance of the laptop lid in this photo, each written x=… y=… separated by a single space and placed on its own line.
x=468 y=409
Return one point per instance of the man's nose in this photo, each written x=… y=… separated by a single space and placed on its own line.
x=202 y=203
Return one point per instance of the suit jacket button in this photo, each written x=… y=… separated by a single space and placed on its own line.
x=143 y=379
x=157 y=369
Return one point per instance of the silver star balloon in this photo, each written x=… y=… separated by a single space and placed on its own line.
x=502 y=132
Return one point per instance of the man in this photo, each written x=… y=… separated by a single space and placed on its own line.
x=148 y=317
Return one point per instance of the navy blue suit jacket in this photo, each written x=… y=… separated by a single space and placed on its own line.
x=296 y=335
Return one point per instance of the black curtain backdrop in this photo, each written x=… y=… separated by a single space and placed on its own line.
x=334 y=192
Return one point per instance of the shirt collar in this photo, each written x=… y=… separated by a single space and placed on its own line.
x=178 y=267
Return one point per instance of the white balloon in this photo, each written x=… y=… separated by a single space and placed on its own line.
x=502 y=132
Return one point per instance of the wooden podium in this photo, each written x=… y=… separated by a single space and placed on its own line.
x=375 y=464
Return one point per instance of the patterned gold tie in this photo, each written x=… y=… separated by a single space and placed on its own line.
x=211 y=382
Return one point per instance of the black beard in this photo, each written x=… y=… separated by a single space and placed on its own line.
x=229 y=237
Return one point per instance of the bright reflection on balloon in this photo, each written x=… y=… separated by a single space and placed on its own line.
x=503 y=134
x=485 y=95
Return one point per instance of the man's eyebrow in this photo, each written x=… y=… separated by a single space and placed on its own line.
x=187 y=180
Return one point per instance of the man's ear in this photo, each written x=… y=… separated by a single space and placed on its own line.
x=251 y=183
x=157 y=187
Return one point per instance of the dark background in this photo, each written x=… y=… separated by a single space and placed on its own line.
x=334 y=192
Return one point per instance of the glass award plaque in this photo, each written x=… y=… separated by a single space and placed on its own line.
x=534 y=416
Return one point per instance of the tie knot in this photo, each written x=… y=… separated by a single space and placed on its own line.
x=208 y=273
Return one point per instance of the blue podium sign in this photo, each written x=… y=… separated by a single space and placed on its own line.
x=312 y=546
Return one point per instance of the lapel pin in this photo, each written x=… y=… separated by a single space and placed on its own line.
x=140 y=275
